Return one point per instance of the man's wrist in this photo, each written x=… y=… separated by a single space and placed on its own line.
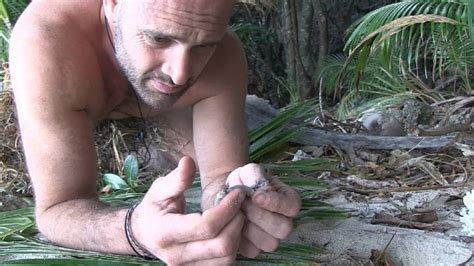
x=211 y=189
x=134 y=244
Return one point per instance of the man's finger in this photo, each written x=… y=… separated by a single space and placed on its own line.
x=261 y=239
x=181 y=228
x=283 y=199
x=277 y=225
x=220 y=261
x=247 y=175
x=248 y=249
x=220 y=215
x=173 y=184
x=224 y=245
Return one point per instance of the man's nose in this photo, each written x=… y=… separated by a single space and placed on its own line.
x=178 y=65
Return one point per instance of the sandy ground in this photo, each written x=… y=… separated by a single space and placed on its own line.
x=350 y=241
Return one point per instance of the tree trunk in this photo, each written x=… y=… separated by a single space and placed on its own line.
x=307 y=31
x=321 y=15
x=305 y=58
x=289 y=39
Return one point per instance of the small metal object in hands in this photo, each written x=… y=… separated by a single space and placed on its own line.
x=248 y=190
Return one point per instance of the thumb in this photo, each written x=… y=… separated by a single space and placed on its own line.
x=175 y=183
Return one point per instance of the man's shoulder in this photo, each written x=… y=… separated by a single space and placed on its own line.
x=228 y=62
x=230 y=47
x=52 y=53
x=54 y=22
x=225 y=73
x=52 y=33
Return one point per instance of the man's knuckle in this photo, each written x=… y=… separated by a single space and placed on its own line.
x=292 y=212
x=271 y=203
x=252 y=168
x=163 y=241
x=207 y=231
x=294 y=209
x=285 y=229
x=258 y=215
x=227 y=247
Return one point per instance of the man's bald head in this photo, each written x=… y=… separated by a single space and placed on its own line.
x=163 y=46
x=216 y=10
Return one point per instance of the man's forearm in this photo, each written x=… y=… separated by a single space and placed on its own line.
x=86 y=224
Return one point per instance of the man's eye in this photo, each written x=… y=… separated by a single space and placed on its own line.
x=161 y=40
x=207 y=46
x=157 y=40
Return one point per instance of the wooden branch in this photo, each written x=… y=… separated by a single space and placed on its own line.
x=344 y=141
x=259 y=112
x=382 y=218
x=445 y=130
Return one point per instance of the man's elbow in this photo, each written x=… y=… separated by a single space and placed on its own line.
x=45 y=219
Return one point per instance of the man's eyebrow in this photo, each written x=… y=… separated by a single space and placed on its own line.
x=163 y=35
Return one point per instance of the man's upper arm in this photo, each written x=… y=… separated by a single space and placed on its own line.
x=219 y=127
x=56 y=132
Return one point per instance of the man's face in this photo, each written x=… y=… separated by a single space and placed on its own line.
x=163 y=46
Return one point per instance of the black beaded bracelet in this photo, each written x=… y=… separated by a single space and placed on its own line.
x=139 y=250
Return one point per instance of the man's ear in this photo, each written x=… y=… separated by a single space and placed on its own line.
x=111 y=9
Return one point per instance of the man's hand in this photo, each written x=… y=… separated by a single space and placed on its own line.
x=160 y=225
x=269 y=212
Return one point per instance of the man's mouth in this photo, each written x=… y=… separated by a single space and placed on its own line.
x=164 y=88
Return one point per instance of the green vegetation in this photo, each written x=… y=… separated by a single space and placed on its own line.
x=409 y=49
x=10 y=10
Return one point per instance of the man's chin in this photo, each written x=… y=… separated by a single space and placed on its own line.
x=161 y=103
x=158 y=100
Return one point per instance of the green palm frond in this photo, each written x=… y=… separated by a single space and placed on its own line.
x=10 y=10
x=372 y=22
x=308 y=165
x=396 y=51
x=396 y=33
x=379 y=83
x=416 y=32
x=471 y=19
x=21 y=244
x=331 y=67
x=278 y=131
x=3 y=10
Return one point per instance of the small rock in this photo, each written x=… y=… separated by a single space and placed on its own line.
x=382 y=124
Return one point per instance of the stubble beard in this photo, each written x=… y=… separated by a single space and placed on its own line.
x=152 y=97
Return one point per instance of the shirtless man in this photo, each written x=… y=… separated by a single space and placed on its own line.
x=76 y=62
